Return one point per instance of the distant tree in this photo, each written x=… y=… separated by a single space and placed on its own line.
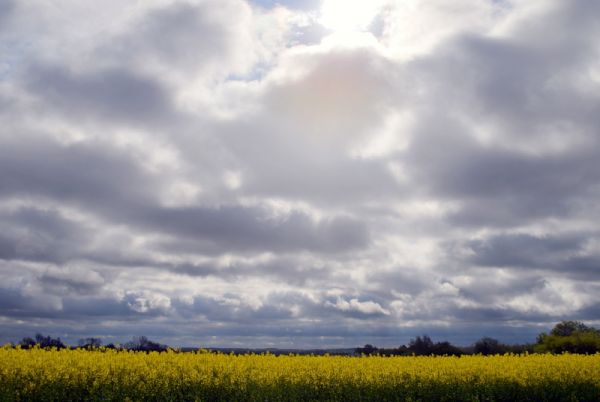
x=368 y=349
x=421 y=345
x=446 y=349
x=399 y=351
x=49 y=342
x=90 y=343
x=521 y=348
x=571 y=337
x=42 y=341
x=540 y=338
x=27 y=343
x=144 y=344
x=489 y=346
x=579 y=342
x=567 y=328
x=418 y=346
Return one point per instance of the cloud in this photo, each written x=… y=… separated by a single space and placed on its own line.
x=39 y=235
x=351 y=306
x=232 y=173
x=6 y=7
x=194 y=37
x=115 y=95
x=72 y=280
x=240 y=228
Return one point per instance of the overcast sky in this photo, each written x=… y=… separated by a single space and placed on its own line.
x=298 y=173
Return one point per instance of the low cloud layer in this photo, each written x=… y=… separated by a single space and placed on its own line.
x=234 y=173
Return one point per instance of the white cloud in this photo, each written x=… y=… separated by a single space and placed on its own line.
x=416 y=27
x=354 y=305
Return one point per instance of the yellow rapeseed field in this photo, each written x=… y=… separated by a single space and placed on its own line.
x=109 y=375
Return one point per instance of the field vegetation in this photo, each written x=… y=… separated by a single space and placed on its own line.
x=563 y=365
x=37 y=374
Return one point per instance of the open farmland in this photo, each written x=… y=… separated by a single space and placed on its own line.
x=74 y=375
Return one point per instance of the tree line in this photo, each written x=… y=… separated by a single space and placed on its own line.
x=424 y=346
x=565 y=337
x=140 y=343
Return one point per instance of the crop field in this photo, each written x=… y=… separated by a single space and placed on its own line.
x=109 y=375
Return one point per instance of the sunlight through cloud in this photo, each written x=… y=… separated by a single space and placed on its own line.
x=349 y=15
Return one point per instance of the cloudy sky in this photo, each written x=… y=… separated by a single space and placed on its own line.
x=298 y=173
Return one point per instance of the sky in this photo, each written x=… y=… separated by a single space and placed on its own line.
x=298 y=174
